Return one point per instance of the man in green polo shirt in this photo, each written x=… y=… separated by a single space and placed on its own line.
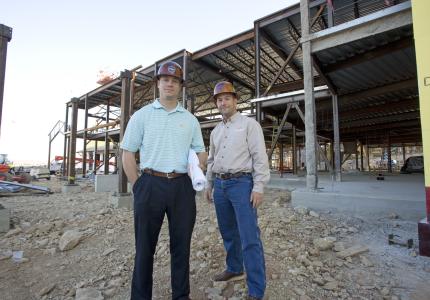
x=163 y=132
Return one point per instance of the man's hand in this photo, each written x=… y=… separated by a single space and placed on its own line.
x=256 y=199
x=208 y=195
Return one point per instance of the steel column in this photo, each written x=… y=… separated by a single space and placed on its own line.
x=95 y=158
x=257 y=70
x=336 y=140
x=72 y=149
x=84 y=154
x=310 y=124
x=126 y=99
x=361 y=157
x=106 y=153
x=65 y=148
x=389 y=164
x=5 y=37
x=184 y=77
x=294 y=146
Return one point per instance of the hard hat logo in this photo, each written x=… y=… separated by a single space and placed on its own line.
x=171 y=69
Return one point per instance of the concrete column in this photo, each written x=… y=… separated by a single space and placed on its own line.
x=310 y=118
x=404 y=153
x=336 y=140
x=361 y=157
x=125 y=116
x=5 y=37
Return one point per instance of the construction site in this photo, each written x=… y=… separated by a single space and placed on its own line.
x=339 y=88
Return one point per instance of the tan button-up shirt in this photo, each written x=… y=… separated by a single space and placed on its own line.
x=237 y=145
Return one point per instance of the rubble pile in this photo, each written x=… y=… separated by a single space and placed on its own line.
x=79 y=247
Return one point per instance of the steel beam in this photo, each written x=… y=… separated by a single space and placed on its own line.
x=248 y=35
x=381 y=21
x=278 y=133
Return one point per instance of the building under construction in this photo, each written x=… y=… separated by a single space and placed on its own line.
x=327 y=80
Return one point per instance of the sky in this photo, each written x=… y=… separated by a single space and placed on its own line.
x=58 y=48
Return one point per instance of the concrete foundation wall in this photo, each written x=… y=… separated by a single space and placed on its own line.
x=108 y=183
x=359 y=205
x=4 y=219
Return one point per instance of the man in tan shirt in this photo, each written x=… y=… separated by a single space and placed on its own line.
x=237 y=171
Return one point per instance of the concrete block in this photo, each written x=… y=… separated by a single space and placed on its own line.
x=106 y=183
x=362 y=205
x=71 y=189
x=4 y=219
x=122 y=200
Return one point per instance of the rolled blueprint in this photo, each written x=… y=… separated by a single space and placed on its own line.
x=196 y=174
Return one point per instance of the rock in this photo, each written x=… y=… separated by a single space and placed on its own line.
x=304 y=297
x=42 y=243
x=331 y=286
x=50 y=251
x=338 y=246
x=299 y=291
x=46 y=289
x=13 y=232
x=314 y=214
x=352 y=251
x=314 y=251
x=221 y=285
x=301 y=210
x=108 y=251
x=88 y=294
x=275 y=276
x=70 y=239
x=109 y=292
x=5 y=254
x=365 y=261
x=116 y=282
x=385 y=291
x=393 y=216
x=325 y=243
x=211 y=229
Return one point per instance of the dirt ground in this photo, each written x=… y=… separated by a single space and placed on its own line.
x=308 y=254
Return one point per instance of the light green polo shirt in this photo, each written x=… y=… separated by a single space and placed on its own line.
x=163 y=138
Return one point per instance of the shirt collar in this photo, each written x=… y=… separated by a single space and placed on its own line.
x=233 y=118
x=156 y=104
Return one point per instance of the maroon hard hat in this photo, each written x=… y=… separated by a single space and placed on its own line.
x=170 y=68
x=224 y=87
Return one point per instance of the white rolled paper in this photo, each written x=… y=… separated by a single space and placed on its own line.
x=196 y=174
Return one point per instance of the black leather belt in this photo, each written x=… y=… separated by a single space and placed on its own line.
x=231 y=175
x=162 y=174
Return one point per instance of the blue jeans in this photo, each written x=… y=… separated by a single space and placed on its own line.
x=237 y=221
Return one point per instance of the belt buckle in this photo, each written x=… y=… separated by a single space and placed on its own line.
x=221 y=175
x=170 y=175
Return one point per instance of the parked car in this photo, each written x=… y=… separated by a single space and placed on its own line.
x=414 y=164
